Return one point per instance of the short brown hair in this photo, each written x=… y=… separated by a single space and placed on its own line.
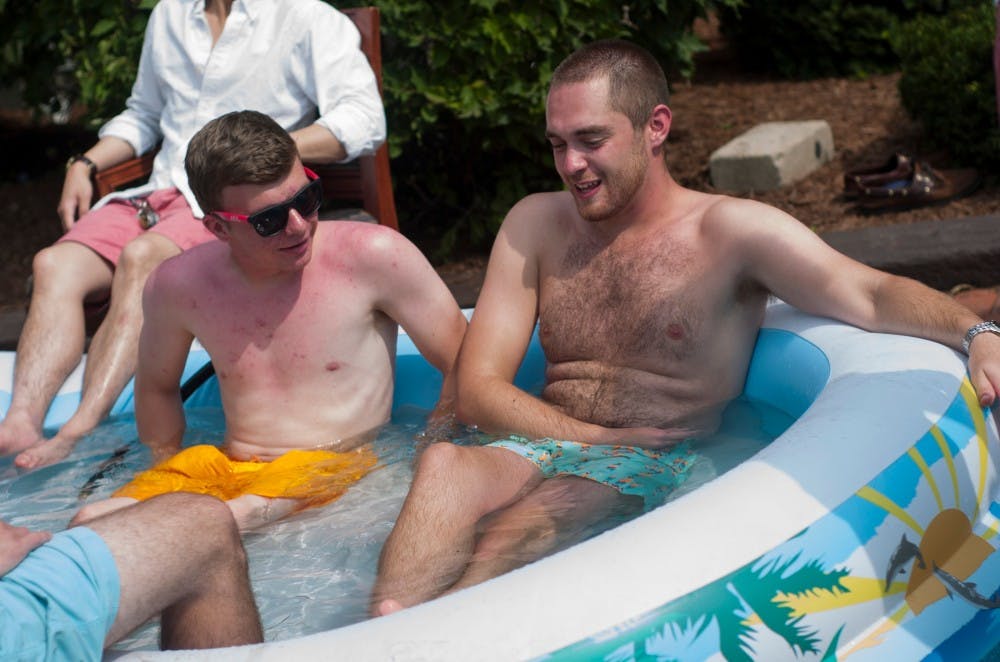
x=241 y=147
x=636 y=82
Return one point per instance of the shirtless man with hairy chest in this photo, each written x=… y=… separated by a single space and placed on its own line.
x=299 y=318
x=648 y=298
x=644 y=331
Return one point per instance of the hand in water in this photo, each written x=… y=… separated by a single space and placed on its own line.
x=653 y=438
x=440 y=427
x=16 y=542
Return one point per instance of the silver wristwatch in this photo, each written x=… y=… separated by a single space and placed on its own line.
x=983 y=327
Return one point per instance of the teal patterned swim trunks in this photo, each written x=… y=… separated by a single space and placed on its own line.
x=650 y=474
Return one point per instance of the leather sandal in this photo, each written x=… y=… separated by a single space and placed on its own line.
x=899 y=167
x=983 y=301
x=927 y=186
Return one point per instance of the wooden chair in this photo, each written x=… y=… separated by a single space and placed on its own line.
x=365 y=180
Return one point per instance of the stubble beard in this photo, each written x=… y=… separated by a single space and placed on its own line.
x=618 y=190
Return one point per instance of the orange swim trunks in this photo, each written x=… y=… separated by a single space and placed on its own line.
x=316 y=477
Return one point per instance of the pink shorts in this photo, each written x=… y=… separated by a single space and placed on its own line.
x=108 y=229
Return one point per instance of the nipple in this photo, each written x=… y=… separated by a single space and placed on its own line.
x=675 y=331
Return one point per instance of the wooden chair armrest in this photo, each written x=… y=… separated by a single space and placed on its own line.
x=116 y=177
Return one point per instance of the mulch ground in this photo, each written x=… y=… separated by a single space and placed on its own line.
x=868 y=124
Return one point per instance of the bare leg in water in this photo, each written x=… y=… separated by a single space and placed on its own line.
x=434 y=536
x=113 y=350
x=558 y=513
x=249 y=511
x=435 y=547
x=180 y=555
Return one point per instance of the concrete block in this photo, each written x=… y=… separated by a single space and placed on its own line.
x=770 y=155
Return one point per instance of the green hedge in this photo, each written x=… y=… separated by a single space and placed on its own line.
x=464 y=86
x=815 y=38
x=97 y=42
x=948 y=82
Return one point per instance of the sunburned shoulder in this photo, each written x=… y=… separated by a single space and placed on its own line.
x=341 y=235
x=194 y=260
x=359 y=242
x=184 y=271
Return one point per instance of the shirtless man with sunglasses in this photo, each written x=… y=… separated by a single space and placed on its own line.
x=300 y=320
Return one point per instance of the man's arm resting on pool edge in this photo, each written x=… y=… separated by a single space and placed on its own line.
x=802 y=270
x=163 y=348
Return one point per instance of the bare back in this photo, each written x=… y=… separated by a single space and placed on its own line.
x=650 y=329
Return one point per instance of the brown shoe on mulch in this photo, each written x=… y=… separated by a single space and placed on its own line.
x=899 y=167
x=983 y=301
x=927 y=186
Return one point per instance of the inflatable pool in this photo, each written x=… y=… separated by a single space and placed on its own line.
x=868 y=529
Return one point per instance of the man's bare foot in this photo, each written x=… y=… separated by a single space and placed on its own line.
x=46 y=453
x=17 y=432
x=386 y=607
x=99 y=508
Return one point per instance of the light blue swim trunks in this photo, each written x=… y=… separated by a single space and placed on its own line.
x=60 y=602
x=643 y=472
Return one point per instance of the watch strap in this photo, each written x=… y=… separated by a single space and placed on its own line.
x=82 y=157
x=989 y=326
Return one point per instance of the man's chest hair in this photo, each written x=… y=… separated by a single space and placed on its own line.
x=608 y=302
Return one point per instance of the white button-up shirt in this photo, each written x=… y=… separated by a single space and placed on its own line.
x=284 y=58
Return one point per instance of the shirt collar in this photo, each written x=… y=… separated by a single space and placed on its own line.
x=251 y=8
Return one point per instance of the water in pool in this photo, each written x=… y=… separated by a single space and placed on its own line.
x=313 y=571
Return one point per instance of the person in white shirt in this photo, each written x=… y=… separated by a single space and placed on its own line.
x=298 y=61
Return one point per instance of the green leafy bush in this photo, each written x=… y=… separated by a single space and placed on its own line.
x=815 y=38
x=83 y=50
x=948 y=82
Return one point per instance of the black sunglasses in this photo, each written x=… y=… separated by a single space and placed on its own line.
x=269 y=221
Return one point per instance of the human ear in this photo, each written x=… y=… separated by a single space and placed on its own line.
x=216 y=226
x=659 y=125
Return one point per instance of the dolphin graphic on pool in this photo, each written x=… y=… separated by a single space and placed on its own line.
x=965 y=590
